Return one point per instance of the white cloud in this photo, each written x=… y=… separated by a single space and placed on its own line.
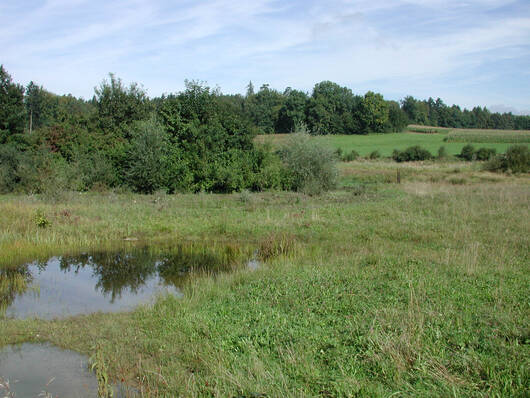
x=71 y=45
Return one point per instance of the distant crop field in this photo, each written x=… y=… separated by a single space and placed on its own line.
x=500 y=140
x=487 y=136
x=416 y=128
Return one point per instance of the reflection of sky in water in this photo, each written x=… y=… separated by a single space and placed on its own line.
x=32 y=369
x=59 y=292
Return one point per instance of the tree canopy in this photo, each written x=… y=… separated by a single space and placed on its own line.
x=198 y=139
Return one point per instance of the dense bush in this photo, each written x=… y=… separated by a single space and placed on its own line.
x=518 y=159
x=374 y=155
x=411 y=154
x=94 y=169
x=515 y=160
x=485 y=153
x=468 y=152
x=310 y=167
x=442 y=153
x=9 y=161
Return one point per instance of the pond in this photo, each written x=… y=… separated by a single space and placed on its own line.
x=107 y=281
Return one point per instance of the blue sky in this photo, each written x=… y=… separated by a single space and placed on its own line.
x=469 y=52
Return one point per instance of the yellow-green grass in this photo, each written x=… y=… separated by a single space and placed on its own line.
x=411 y=289
x=386 y=143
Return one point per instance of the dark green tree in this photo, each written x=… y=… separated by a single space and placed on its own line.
x=12 y=110
x=263 y=108
x=147 y=156
x=331 y=110
x=417 y=112
x=374 y=113
x=292 y=113
x=397 y=118
x=41 y=106
x=119 y=106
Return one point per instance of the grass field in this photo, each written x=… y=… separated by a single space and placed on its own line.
x=431 y=138
x=411 y=289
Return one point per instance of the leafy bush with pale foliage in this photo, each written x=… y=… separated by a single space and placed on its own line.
x=310 y=167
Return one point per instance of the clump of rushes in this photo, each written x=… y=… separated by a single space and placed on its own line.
x=351 y=156
x=276 y=245
x=99 y=367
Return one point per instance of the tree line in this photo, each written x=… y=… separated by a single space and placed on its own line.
x=196 y=140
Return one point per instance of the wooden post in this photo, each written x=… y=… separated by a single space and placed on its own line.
x=398 y=176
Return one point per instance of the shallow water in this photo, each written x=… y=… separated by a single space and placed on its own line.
x=101 y=281
x=32 y=369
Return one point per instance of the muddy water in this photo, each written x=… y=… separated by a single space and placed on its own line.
x=41 y=370
x=102 y=281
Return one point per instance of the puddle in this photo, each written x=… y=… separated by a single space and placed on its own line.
x=41 y=370
x=103 y=281
x=253 y=264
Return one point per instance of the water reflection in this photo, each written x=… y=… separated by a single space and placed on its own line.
x=13 y=282
x=104 y=281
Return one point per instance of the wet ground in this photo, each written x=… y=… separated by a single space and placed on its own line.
x=106 y=281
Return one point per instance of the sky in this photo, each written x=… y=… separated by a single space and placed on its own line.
x=468 y=52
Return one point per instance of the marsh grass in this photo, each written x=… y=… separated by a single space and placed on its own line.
x=411 y=289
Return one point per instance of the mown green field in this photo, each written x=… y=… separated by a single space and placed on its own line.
x=376 y=289
x=386 y=143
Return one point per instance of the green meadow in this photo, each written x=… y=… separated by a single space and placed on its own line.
x=430 y=138
x=375 y=289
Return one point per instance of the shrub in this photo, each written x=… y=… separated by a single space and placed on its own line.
x=442 y=153
x=147 y=161
x=310 y=167
x=270 y=173
x=374 y=155
x=516 y=159
x=485 y=153
x=41 y=220
x=350 y=157
x=94 y=169
x=411 y=154
x=468 y=152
